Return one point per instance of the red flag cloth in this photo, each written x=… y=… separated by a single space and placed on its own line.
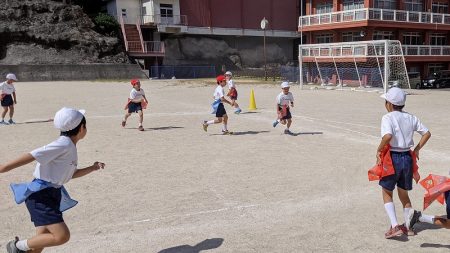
x=386 y=168
x=435 y=187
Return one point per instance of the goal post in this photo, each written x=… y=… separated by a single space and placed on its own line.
x=376 y=63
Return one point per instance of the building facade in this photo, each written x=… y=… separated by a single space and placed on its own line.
x=208 y=32
x=422 y=26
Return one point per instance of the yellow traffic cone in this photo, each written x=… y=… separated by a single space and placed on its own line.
x=252 y=105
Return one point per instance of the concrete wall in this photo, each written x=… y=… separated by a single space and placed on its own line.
x=29 y=73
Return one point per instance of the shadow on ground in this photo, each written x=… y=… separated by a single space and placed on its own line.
x=306 y=133
x=419 y=227
x=244 y=133
x=155 y=128
x=434 y=245
x=207 y=244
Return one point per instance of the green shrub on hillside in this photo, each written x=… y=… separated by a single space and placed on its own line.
x=106 y=24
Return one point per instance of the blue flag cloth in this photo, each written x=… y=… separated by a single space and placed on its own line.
x=23 y=190
x=215 y=105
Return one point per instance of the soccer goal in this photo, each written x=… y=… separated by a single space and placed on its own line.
x=376 y=63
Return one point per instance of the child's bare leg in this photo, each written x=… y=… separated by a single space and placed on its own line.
x=126 y=116
x=283 y=122
x=39 y=231
x=141 y=117
x=11 y=111
x=225 y=122
x=404 y=198
x=50 y=235
x=445 y=223
x=289 y=122
x=5 y=110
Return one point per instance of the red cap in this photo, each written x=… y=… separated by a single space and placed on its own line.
x=220 y=78
x=134 y=82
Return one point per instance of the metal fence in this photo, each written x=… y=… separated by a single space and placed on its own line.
x=182 y=72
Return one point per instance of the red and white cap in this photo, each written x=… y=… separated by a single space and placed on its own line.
x=220 y=78
x=68 y=119
x=395 y=96
x=134 y=82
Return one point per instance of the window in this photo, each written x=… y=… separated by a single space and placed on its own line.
x=435 y=67
x=414 y=5
x=166 y=10
x=351 y=36
x=412 y=38
x=353 y=4
x=124 y=12
x=440 y=8
x=324 y=8
x=383 y=35
x=385 y=4
x=438 y=39
x=324 y=38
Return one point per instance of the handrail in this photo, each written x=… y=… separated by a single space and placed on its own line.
x=426 y=50
x=147 y=47
x=374 y=14
x=122 y=26
x=138 y=27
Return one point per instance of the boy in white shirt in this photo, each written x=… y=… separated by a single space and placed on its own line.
x=219 y=108
x=397 y=129
x=45 y=197
x=8 y=98
x=136 y=103
x=284 y=100
x=232 y=92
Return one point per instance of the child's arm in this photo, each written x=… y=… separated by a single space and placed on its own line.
x=384 y=141
x=292 y=103
x=422 y=143
x=83 y=172
x=14 y=96
x=21 y=161
x=146 y=101
x=223 y=99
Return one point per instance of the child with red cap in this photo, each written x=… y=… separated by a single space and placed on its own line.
x=136 y=102
x=218 y=107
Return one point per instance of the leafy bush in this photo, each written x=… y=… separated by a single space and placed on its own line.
x=106 y=24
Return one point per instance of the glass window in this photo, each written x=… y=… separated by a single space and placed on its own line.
x=324 y=8
x=438 y=39
x=385 y=4
x=166 y=10
x=351 y=36
x=324 y=38
x=124 y=12
x=440 y=8
x=353 y=4
x=412 y=38
x=435 y=67
x=383 y=35
x=414 y=5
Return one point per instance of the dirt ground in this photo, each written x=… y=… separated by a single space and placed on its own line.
x=175 y=188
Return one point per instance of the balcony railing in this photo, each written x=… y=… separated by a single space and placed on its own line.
x=413 y=50
x=374 y=14
x=149 y=47
x=180 y=20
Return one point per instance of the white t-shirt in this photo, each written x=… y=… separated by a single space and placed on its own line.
x=283 y=99
x=6 y=88
x=137 y=95
x=57 y=161
x=401 y=125
x=231 y=84
x=218 y=93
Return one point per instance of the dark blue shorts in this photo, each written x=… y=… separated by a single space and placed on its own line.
x=7 y=101
x=447 y=200
x=403 y=176
x=220 y=111
x=43 y=207
x=134 y=107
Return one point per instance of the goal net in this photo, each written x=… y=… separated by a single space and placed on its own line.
x=377 y=63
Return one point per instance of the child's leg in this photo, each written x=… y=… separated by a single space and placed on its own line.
x=225 y=122
x=389 y=207
x=5 y=110
x=141 y=117
x=289 y=122
x=283 y=122
x=11 y=111
x=48 y=236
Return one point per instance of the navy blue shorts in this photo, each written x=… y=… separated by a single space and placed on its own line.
x=7 y=101
x=288 y=113
x=447 y=200
x=43 y=207
x=220 y=111
x=134 y=107
x=403 y=176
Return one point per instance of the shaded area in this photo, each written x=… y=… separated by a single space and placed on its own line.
x=204 y=245
x=306 y=133
x=434 y=245
x=419 y=227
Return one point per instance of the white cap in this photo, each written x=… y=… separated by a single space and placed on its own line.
x=11 y=76
x=395 y=96
x=67 y=119
x=284 y=85
x=228 y=73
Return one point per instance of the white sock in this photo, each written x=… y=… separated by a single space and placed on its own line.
x=140 y=124
x=278 y=120
x=23 y=245
x=426 y=218
x=210 y=122
x=225 y=127
x=390 y=210
x=405 y=214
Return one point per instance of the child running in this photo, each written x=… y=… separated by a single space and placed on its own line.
x=219 y=109
x=136 y=103
x=232 y=92
x=45 y=197
x=284 y=100
x=8 y=98
x=397 y=129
